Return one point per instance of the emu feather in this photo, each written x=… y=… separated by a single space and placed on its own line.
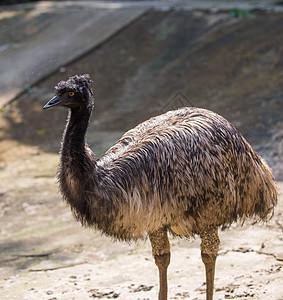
x=187 y=171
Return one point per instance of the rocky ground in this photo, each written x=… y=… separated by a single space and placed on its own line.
x=213 y=60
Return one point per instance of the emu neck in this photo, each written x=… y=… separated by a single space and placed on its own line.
x=78 y=168
x=75 y=134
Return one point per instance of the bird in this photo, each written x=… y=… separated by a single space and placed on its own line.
x=186 y=172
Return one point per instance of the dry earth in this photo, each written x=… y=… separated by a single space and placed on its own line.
x=225 y=64
x=45 y=254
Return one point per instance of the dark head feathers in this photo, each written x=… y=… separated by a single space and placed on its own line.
x=77 y=83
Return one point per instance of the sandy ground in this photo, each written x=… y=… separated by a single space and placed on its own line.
x=45 y=254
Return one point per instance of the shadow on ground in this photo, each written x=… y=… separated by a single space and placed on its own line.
x=230 y=65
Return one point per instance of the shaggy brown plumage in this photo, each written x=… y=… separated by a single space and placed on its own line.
x=187 y=171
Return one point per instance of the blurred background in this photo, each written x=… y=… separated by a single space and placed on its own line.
x=144 y=57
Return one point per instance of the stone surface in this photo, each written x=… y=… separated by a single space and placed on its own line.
x=57 y=36
x=39 y=38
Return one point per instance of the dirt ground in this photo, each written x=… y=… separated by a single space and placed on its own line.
x=45 y=254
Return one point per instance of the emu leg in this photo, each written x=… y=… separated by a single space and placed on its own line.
x=209 y=248
x=209 y=262
x=161 y=253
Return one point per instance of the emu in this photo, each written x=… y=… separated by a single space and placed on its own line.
x=186 y=172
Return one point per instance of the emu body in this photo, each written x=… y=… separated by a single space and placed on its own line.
x=188 y=172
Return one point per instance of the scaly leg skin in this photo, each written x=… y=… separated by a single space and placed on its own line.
x=161 y=253
x=209 y=248
x=209 y=262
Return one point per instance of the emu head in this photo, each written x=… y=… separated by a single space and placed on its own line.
x=74 y=93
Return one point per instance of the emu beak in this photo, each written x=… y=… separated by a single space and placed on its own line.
x=53 y=102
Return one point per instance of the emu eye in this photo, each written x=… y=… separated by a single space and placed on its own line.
x=71 y=94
